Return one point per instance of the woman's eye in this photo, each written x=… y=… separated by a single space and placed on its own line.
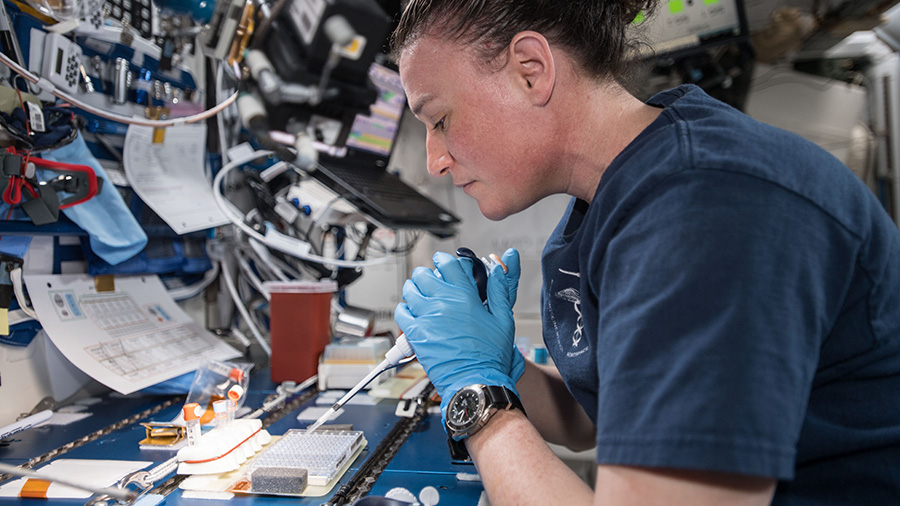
x=440 y=124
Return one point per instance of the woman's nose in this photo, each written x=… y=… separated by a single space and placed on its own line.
x=438 y=157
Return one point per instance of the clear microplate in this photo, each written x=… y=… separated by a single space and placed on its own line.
x=322 y=453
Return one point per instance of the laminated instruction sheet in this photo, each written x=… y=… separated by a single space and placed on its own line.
x=129 y=338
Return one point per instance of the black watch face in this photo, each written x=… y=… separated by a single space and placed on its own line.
x=464 y=409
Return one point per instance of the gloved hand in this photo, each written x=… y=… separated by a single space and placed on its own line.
x=456 y=338
x=513 y=265
x=510 y=258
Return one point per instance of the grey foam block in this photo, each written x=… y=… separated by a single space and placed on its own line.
x=278 y=480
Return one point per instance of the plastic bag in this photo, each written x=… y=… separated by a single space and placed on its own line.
x=217 y=380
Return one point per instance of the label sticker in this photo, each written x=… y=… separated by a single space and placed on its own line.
x=354 y=49
x=36 y=117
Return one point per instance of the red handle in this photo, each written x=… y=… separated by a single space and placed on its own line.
x=92 y=177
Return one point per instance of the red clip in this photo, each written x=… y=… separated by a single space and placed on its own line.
x=12 y=195
x=70 y=167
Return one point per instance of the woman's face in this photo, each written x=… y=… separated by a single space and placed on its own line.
x=482 y=130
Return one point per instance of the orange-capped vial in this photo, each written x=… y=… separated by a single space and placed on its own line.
x=236 y=375
x=192 y=412
x=235 y=393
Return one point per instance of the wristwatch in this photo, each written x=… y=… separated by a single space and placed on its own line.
x=469 y=410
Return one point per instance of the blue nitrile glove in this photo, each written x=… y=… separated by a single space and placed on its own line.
x=514 y=270
x=510 y=258
x=456 y=338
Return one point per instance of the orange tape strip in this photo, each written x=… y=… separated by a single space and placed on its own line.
x=34 y=489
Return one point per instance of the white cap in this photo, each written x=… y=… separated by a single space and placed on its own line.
x=429 y=496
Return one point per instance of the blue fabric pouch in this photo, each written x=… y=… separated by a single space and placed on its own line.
x=115 y=234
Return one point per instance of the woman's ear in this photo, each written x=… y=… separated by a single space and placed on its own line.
x=532 y=67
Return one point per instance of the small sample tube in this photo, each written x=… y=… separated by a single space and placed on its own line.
x=233 y=396
x=231 y=408
x=493 y=260
x=192 y=412
x=220 y=412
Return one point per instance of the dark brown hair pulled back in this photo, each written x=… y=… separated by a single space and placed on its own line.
x=593 y=32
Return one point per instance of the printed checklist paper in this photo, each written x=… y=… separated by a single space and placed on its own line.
x=170 y=176
x=127 y=339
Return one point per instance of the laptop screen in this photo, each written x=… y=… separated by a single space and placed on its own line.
x=376 y=132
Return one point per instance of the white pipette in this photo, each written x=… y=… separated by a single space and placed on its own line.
x=401 y=350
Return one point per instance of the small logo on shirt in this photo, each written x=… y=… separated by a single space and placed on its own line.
x=572 y=296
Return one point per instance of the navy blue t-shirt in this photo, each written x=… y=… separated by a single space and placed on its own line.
x=730 y=301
